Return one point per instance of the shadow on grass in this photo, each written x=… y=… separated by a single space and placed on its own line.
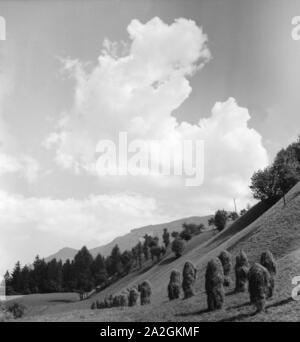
x=237 y=317
x=251 y=314
x=194 y=313
x=280 y=303
x=168 y=260
x=233 y=292
x=239 y=306
x=61 y=301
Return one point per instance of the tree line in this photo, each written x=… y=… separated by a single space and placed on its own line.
x=84 y=272
x=80 y=274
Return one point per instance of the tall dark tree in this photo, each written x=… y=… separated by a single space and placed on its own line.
x=166 y=237
x=146 y=250
x=116 y=262
x=135 y=255
x=54 y=276
x=127 y=261
x=16 y=278
x=27 y=283
x=69 y=277
x=99 y=272
x=83 y=261
x=140 y=254
x=39 y=275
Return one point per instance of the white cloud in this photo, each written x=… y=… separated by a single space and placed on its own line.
x=133 y=92
x=137 y=93
x=25 y=166
x=43 y=224
x=78 y=216
x=8 y=164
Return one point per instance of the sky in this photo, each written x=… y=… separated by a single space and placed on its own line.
x=72 y=74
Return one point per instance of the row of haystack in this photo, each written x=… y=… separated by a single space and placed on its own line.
x=129 y=297
x=258 y=279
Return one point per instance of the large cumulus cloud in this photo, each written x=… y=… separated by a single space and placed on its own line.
x=135 y=93
x=135 y=89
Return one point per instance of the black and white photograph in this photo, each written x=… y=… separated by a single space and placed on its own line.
x=149 y=163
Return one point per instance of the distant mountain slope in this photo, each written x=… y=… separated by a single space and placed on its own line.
x=127 y=241
x=63 y=254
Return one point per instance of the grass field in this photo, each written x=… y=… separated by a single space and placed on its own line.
x=277 y=229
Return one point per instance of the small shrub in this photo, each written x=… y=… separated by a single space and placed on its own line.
x=5 y=315
x=16 y=309
x=214 y=279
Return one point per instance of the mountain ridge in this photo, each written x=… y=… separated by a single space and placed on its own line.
x=128 y=240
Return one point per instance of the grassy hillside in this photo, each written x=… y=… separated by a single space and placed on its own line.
x=237 y=307
x=277 y=229
x=37 y=304
x=129 y=240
